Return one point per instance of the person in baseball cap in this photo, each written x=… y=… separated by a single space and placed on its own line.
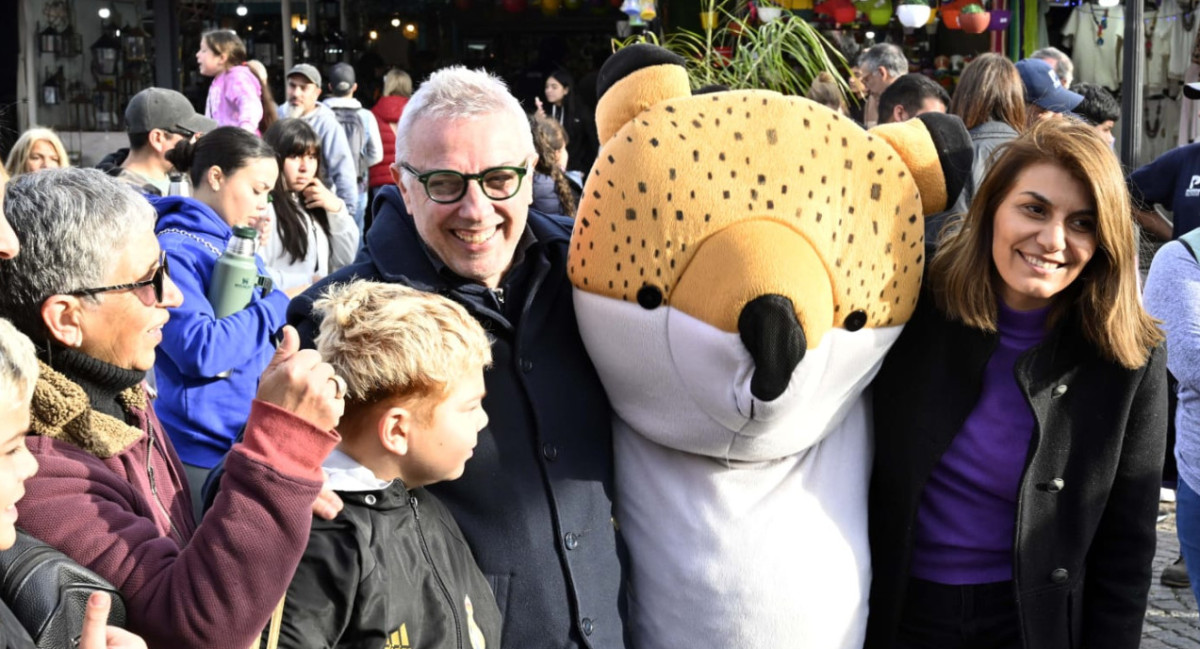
x=1045 y=96
x=303 y=89
x=156 y=119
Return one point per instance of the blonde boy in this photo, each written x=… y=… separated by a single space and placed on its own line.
x=393 y=569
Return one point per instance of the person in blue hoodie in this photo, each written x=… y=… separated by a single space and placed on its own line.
x=208 y=368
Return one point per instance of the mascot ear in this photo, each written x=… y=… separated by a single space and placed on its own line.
x=634 y=79
x=937 y=149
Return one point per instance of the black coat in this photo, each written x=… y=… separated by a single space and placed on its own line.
x=1088 y=499
x=535 y=503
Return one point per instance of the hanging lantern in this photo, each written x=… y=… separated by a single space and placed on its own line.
x=51 y=92
x=134 y=40
x=841 y=11
x=913 y=15
x=631 y=8
x=105 y=51
x=647 y=10
x=50 y=41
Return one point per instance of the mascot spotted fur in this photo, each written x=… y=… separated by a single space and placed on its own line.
x=742 y=261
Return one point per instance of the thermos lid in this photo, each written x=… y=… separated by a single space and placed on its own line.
x=245 y=233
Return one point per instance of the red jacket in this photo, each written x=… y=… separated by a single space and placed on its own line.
x=113 y=497
x=387 y=112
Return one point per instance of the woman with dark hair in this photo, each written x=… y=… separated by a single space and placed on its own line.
x=555 y=191
x=235 y=97
x=990 y=99
x=1020 y=419
x=93 y=291
x=577 y=120
x=311 y=233
x=208 y=367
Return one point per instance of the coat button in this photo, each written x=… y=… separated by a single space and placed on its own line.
x=1059 y=575
x=1060 y=390
x=549 y=451
x=571 y=540
x=586 y=625
x=369 y=499
x=1056 y=485
x=526 y=365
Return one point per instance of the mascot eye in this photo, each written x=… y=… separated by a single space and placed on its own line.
x=856 y=320
x=649 y=297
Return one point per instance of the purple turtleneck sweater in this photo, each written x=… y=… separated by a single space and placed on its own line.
x=965 y=524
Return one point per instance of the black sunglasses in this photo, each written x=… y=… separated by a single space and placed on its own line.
x=156 y=280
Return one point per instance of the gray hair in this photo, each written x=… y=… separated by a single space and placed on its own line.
x=70 y=222
x=887 y=56
x=1063 y=67
x=457 y=93
x=18 y=366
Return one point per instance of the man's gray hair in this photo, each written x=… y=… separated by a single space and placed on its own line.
x=72 y=224
x=18 y=366
x=1063 y=67
x=456 y=93
x=887 y=56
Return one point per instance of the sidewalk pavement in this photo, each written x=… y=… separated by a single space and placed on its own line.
x=1172 y=617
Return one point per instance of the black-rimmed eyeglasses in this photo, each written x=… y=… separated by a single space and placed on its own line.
x=449 y=186
x=157 y=280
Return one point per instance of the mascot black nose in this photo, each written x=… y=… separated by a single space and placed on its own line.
x=776 y=342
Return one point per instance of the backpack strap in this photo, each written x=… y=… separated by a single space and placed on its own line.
x=1191 y=241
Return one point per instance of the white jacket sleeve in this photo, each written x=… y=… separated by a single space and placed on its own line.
x=343 y=239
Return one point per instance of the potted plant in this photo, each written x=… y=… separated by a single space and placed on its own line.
x=784 y=55
x=973 y=19
x=913 y=13
x=768 y=11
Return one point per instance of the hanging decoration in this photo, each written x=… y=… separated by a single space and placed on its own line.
x=631 y=8
x=841 y=11
x=647 y=11
x=973 y=19
x=913 y=14
x=514 y=6
x=550 y=7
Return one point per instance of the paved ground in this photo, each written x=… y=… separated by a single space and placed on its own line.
x=1172 y=618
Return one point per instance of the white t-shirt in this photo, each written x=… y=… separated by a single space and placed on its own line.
x=1095 y=52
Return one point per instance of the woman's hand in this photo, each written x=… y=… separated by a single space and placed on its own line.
x=300 y=383
x=96 y=632
x=537 y=101
x=318 y=195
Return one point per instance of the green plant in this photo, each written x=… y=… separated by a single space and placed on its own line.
x=781 y=55
x=973 y=8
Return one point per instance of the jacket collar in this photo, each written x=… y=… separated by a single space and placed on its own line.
x=61 y=411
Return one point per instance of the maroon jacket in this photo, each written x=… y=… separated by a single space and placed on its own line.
x=387 y=112
x=113 y=497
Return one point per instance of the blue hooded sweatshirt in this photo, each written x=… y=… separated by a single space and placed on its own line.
x=202 y=408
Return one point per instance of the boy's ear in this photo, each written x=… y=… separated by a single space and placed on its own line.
x=394 y=427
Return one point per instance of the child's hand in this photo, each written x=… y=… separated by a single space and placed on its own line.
x=96 y=632
x=537 y=101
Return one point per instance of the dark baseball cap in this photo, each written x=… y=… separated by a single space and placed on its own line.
x=1043 y=88
x=307 y=71
x=341 y=78
x=164 y=109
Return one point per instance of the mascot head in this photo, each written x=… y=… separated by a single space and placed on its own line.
x=743 y=260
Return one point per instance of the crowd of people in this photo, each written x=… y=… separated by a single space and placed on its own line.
x=321 y=453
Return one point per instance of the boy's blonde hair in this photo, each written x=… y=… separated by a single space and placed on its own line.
x=389 y=340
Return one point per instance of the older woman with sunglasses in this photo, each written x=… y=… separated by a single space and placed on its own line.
x=208 y=366
x=93 y=292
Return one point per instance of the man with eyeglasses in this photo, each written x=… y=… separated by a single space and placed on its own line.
x=156 y=119
x=535 y=502
x=879 y=67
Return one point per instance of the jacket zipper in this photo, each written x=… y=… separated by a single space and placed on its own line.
x=154 y=487
x=458 y=635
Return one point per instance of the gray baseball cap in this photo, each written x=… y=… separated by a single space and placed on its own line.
x=307 y=71
x=165 y=109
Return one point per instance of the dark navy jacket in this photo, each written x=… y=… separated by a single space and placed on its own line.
x=535 y=503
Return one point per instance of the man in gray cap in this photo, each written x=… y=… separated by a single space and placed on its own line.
x=362 y=131
x=303 y=88
x=156 y=120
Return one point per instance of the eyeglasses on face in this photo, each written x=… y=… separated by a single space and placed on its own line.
x=449 y=186
x=157 y=280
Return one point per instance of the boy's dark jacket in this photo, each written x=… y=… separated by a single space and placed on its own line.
x=392 y=570
x=536 y=501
